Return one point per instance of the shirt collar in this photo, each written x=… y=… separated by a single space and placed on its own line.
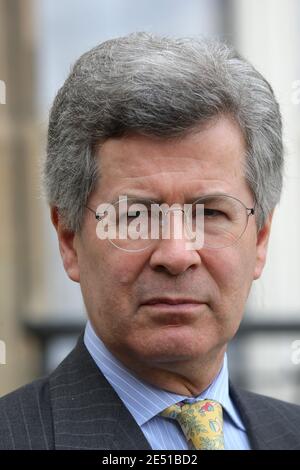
x=142 y=399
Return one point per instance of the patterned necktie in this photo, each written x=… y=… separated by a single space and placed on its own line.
x=201 y=422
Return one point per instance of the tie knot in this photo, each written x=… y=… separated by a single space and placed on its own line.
x=201 y=422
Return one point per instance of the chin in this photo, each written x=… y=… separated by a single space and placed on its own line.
x=173 y=347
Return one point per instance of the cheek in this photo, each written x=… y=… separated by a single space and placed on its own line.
x=108 y=279
x=232 y=271
x=123 y=269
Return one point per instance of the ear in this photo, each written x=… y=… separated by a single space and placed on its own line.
x=262 y=246
x=67 y=246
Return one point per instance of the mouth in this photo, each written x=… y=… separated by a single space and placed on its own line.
x=173 y=311
x=171 y=301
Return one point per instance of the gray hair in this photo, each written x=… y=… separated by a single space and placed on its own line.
x=161 y=87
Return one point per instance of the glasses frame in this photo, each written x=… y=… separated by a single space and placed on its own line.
x=250 y=211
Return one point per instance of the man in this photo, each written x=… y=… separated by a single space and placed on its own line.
x=186 y=127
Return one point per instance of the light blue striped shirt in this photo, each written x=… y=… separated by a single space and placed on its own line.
x=145 y=402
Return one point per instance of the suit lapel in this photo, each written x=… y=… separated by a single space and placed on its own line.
x=87 y=413
x=265 y=421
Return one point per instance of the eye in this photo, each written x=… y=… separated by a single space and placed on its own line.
x=213 y=213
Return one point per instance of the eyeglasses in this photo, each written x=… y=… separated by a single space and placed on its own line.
x=133 y=225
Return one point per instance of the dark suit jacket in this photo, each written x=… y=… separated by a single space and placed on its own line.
x=76 y=408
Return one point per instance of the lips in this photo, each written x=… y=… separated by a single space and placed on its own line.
x=173 y=312
x=170 y=301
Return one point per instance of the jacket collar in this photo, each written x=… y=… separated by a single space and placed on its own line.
x=87 y=413
x=267 y=425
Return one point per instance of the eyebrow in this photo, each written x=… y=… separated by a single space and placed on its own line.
x=138 y=197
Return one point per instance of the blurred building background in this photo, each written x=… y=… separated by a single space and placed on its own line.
x=41 y=310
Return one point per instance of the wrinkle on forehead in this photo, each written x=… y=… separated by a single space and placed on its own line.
x=164 y=164
x=212 y=159
x=170 y=184
x=146 y=172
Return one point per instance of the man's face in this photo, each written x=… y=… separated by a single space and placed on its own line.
x=115 y=284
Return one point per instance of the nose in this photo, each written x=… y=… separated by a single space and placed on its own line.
x=172 y=256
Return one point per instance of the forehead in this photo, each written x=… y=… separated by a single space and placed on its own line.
x=207 y=160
